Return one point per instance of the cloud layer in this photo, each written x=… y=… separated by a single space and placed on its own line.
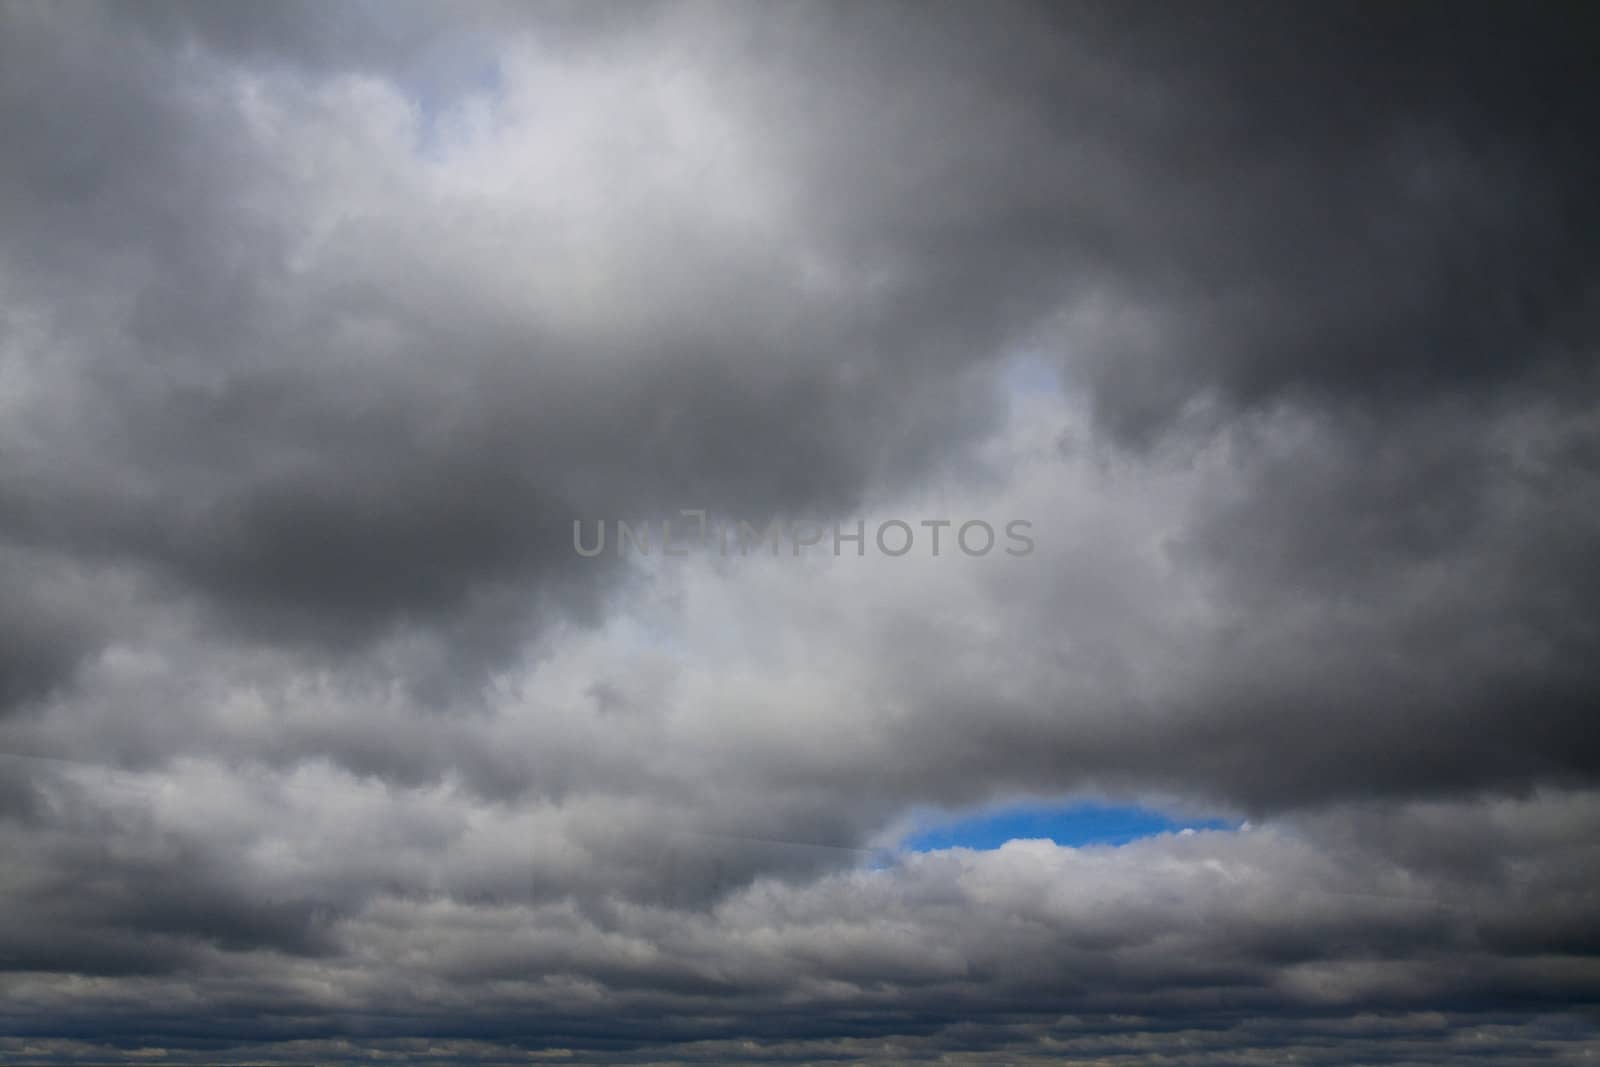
x=320 y=326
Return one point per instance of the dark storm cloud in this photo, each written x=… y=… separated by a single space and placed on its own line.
x=319 y=324
x=52 y=612
x=34 y=658
x=1360 y=204
x=1253 y=225
x=1363 y=203
x=323 y=451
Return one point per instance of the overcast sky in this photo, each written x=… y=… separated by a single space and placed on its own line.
x=321 y=323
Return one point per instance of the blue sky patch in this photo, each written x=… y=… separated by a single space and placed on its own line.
x=1066 y=824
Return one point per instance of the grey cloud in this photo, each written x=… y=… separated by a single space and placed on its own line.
x=1361 y=204
x=319 y=326
x=1305 y=921
x=328 y=450
x=1239 y=253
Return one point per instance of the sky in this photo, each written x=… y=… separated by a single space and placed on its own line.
x=1267 y=736
x=1075 y=825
